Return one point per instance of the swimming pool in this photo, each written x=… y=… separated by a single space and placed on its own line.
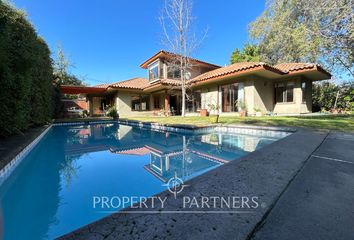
x=50 y=192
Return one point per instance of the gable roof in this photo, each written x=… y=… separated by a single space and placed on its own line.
x=166 y=54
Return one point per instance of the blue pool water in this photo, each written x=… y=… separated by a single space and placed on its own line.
x=50 y=193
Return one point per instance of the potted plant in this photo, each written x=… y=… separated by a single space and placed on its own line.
x=113 y=113
x=258 y=112
x=242 y=109
x=203 y=112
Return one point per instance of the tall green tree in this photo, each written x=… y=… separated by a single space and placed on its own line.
x=332 y=23
x=42 y=88
x=328 y=95
x=249 y=53
x=26 y=73
x=307 y=31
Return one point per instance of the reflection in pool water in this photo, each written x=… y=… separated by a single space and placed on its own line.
x=50 y=193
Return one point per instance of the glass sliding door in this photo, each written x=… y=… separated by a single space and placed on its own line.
x=194 y=103
x=140 y=102
x=229 y=97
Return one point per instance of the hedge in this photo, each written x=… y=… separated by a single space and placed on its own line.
x=26 y=74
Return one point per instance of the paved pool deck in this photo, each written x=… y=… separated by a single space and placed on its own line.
x=319 y=202
x=13 y=145
x=305 y=183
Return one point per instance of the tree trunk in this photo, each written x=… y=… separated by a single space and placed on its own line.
x=183 y=101
x=182 y=58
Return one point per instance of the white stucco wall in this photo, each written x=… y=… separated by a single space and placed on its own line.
x=249 y=94
x=209 y=95
x=263 y=95
x=123 y=101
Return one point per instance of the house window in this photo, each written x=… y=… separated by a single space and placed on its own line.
x=154 y=72
x=195 y=102
x=284 y=92
x=140 y=103
x=229 y=96
x=303 y=91
x=173 y=73
x=156 y=102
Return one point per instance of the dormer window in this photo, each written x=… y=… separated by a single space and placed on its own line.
x=154 y=72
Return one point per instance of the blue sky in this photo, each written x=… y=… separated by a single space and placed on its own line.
x=107 y=40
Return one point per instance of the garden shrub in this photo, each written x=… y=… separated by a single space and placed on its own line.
x=26 y=74
x=113 y=113
x=326 y=95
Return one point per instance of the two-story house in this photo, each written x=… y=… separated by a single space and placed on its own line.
x=281 y=89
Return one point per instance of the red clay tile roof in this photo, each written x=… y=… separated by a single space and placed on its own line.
x=168 y=82
x=164 y=53
x=173 y=82
x=298 y=67
x=104 y=85
x=134 y=83
x=234 y=68
x=282 y=69
x=291 y=67
x=231 y=70
x=139 y=83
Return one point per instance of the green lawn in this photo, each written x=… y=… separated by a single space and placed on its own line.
x=326 y=122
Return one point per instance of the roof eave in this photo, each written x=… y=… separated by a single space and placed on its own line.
x=126 y=88
x=322 y=70
x=151 y=59
x=314 y=74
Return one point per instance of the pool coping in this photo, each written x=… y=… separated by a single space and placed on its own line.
x=11 y=165
x=196 y=127
x=173 y=127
